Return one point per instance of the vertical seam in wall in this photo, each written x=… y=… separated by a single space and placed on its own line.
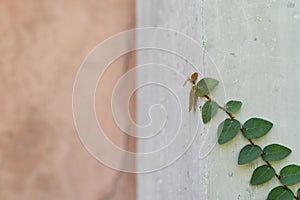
x=204 y=172
x=202 y=34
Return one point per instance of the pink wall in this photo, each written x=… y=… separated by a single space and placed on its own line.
x=42 y=44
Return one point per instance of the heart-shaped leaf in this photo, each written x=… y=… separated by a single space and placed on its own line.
x=205 y=86
x=227 y=130
x=280 y=193
x=275 y=152
x=256 y=128
x=248 y=154
x=290 y=175
x=262 y=175
x=209 y=110
x=233 y=106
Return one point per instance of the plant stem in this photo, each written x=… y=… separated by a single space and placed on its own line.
x=251 y=142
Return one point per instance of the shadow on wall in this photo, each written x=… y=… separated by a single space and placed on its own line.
x=42 y=44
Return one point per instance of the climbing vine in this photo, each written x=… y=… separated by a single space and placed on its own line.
x=252 y=129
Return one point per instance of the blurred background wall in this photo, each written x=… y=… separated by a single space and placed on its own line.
x=42 y=44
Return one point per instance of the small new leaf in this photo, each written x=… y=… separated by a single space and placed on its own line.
x=262 y=175
x=275 y=152
x=256 y=128
x=227 y=130
x=290 y=175
x=205 y=86
x=193 y=100
x=233 y=106
x=280 y=193
x=248 y=154
x=209 y=110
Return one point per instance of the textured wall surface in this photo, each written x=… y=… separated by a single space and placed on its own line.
x=42 y=44
x=255 y=47
x=184 y=178
x=255 y=44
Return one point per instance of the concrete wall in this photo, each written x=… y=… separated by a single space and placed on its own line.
x=255 y=45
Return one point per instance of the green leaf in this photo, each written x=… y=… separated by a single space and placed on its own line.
x=290 y=175
x=193 y=100
x=275 y=152
x=262 y=175
x=227 y=130
x=280 y=193
x=248 y=154
x=205 y=86
x=298 y=192
x=233 y=106
x=209 y=110
x=256 y=128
